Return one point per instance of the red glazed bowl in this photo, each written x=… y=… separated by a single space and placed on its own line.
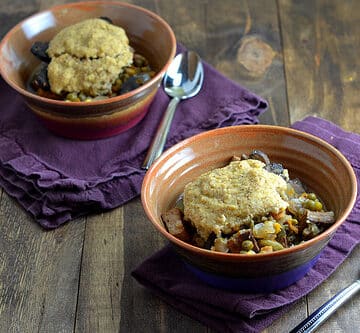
x=316 y=163
x=149 y=35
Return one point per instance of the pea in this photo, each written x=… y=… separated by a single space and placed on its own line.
x=310 y=204
x=311 y=196
x=130 y=70
x=139 y=60
x=82 y=96
x=274 y=244
x=248 y=252
x=72 y=97
x=314 y=205
x=318 y=205
x=117 y=85
x=247 y=245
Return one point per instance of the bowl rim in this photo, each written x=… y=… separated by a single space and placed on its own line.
x=157 y=77
x=259 y=256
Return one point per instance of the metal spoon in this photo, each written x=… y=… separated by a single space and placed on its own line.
x=182 y=80
x=311 y=323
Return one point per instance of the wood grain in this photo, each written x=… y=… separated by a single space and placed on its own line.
x=39 y=272
x=102 y=274
x=322 y=69
x=219 y=30
x=141 y=311
x=321 y=80
x=346 y=319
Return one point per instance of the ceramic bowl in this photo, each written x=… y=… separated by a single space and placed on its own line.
x=316 y=163
x=149 y=35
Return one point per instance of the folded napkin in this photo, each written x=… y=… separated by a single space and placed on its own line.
x=165 y=274
x=57 y=179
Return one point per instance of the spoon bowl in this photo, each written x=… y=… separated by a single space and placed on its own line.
x=182 y=80
x=184 y=77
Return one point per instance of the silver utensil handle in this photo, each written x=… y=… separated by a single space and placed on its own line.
x=158 y=143
x=327 y=309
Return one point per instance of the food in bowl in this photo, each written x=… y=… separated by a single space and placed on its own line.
x=91 y=59
x=315 y=162
x=149 y=35
x=249 y=206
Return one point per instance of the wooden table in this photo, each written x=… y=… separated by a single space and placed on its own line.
x=302 y=56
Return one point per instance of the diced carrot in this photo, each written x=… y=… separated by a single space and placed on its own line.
x=292 y=227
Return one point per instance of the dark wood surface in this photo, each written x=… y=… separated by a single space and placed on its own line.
x=302 y=56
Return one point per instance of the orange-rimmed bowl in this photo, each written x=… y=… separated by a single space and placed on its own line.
x=316 y=163
x=149 y=35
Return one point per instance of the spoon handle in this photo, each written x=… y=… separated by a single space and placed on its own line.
x=311 y=323
x=158 y=143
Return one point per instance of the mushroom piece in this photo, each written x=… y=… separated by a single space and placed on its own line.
x=275 y=168
x=259 y=155
x=105 y=18
x=174 y=223
x=320 y=217
x=40 y=79
x=134 y=82
x=39 y=50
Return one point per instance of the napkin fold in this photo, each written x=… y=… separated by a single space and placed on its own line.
x=166 y=276
x=57 y=179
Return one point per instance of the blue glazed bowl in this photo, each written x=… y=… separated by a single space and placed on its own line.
x=316 y=163
x=258 y=284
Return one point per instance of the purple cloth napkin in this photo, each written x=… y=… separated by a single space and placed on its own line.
x=57 y=179
x=165 y=274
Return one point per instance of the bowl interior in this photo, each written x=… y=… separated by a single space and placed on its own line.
x=318 y=165
x=148 y=35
